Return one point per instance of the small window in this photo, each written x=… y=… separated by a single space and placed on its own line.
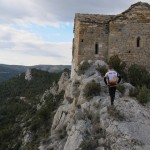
x=82 y=40
x=138 y=42
x=96 y=48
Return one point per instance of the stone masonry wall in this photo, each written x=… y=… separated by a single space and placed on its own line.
x=124 y=32
x=89 y=36
x=89 y=31
x=114 y=35
x=76 y=43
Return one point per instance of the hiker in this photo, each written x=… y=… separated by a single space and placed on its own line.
x=112 y=78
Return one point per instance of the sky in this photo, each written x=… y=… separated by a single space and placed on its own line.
x=36 y=32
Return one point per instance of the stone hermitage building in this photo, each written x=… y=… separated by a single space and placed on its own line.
x=101 y=36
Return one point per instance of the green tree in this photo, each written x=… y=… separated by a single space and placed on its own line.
x=118 y=65
x=139 y=76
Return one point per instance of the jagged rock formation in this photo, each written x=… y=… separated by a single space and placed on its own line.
x=28 y=75
x=82 y=123
x=55 y=90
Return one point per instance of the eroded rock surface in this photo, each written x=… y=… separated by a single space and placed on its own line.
x=81 y=121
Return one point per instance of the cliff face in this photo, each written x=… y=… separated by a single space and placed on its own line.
x=89 y=123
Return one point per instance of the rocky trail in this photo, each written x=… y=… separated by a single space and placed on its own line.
x=82 y=123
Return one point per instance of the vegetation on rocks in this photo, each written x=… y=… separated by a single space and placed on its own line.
x=83 y=67
x=139 y=76
x=133 y=92
x=87 y=121
x=113 y=112
x=92 y=89
x=102 y=69
x=89 y=144
x=19 y=115
x=121 y=88
x=143 y=95
x=118 y=65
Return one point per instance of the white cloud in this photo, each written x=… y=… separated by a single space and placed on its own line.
x=24 y=46
x=15 y=58
x=54 y=12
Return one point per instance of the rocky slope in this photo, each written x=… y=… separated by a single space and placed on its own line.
x=26 y=113
x=82 y=123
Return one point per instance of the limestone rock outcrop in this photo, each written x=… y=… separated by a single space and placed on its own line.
x=82 y=122
x=28 y=75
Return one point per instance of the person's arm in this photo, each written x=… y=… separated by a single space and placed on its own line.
x=105 y=78
x=119 y=78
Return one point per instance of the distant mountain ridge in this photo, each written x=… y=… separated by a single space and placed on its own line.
x=9 y=71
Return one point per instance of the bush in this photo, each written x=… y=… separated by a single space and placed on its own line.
x=121 y=89
x=89 y=144
x=112 y=111
x=67 y=71
x=118 y=65
x=102 y=70
x=92 y=89
x=83 y=67
x=134 y=92
x=62 y=133
x=143 y=95
x=139 y=76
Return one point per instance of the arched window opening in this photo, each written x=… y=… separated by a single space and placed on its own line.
x=96 y=48
x=138 y=42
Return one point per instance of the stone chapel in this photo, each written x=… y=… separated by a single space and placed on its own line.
x=101 y=36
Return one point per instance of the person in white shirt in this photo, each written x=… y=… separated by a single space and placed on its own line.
x=112 y=78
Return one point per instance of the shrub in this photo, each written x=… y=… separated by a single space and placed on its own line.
x=118 y=65
x=83 y=67
x=143 y=95
x=93 y=116
x=112 y=111
x=121 y=88
x=62 y=132
x=139 y=76
x=67 y=71
x=92 y=89
x=134 y=92
x=89 y=144
x=102 y=70
x=96 y=105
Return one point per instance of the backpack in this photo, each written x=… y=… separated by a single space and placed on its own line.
x=112 y=77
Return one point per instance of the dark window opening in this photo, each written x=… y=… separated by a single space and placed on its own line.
x=82 y=40
x=96 y=48
x=138 y=42
x=73 y=47
x=129 y=51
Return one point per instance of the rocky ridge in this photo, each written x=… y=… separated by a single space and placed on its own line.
x=28 y=75
x=82 y=123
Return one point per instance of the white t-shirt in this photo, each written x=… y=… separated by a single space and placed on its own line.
x=112 y=77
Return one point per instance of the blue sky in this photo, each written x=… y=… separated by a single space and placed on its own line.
x=62 y=33
x=41 y=31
